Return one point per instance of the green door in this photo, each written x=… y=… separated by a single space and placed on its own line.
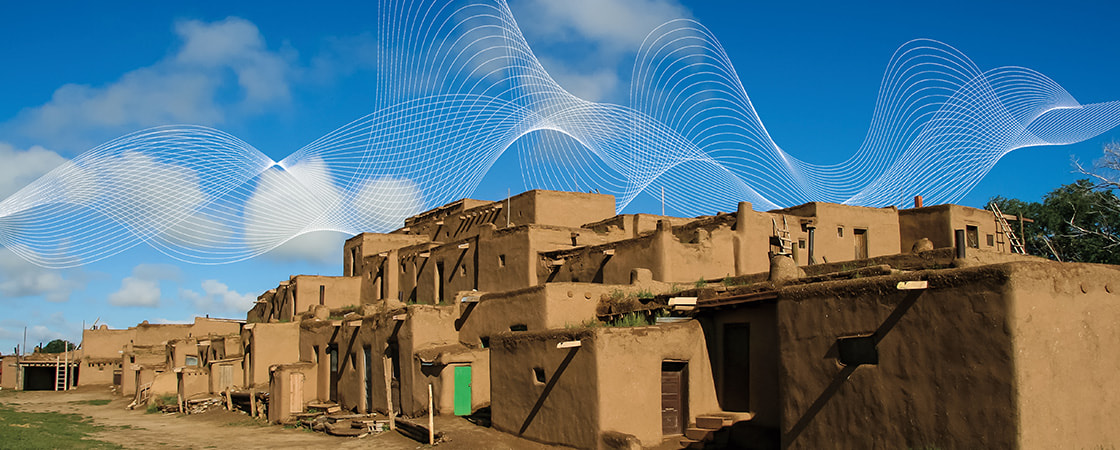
x=462 y=390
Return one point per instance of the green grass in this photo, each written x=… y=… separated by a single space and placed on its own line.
x=700 y=283
x=47 y=430
x=99 y=402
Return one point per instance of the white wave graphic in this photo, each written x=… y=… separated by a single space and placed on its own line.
x=458 y=86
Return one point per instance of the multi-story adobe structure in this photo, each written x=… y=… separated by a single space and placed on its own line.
x=787 y=324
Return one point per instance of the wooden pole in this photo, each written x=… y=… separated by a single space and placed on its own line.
x=431 y=419
x=252 y=403
x=229 y=399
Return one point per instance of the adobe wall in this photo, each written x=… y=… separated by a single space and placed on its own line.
x=206 y=327
x=835 y=230
x=9 y=371
x=270 y=343
x=105 y=343
x=946 y=365
x=281 y=402
x=565 y=414
x=1064 y=325
x=364 y=245
x=159 y=334
x=763 y=358
x=629 y=226
x=553 y=305
x=236 y=367
x=195 y=383
x=629 y=361
x=338 y=292
x=567 y=209
x=938 y=223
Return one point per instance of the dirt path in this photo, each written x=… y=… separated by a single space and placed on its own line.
x=224 y=429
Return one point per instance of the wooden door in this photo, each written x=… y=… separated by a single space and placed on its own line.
x=674 y=398
x=295 y=386
x=225 y=377
x=861 y=243
x=463 y=390
x=734 y=378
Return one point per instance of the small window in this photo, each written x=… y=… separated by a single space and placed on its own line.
x=839 y=231
x=463 y=270
x=991 y=240
x=972 y=236
x=403 y=269
x=485 y=341
x=538 y=375
x=192 y=360
x=501 y=260
x=519 y=327
x=857 y=350
x=800 y=243
x=322 y=294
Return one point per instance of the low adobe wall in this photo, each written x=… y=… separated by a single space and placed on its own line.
x=946 y=364
x=1064 y=325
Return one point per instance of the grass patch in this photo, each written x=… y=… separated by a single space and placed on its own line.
x=700 y=283
x=98 y=402
x=47 y=430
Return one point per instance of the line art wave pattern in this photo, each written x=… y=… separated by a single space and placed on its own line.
x=458 y=86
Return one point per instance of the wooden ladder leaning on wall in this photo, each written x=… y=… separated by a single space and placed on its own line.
x=1016 y=244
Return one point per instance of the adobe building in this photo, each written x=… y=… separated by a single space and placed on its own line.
x=575 y=326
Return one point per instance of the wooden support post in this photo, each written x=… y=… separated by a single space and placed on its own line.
x=431 y=419
x=389 y=394
x=229 y=399
x=252 y=403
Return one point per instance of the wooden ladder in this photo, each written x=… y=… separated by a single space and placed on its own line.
x=786 y=243
x=60 y=373
x=1016 y=244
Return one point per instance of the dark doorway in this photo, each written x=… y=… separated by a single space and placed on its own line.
x=674 y=397
x=38 y=378
x=332 y=352
x=368 y=370
x=395 y=380
x=861 y=243
x=439 y=282
x=735 y=379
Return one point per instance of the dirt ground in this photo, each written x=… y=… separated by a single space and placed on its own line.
x=224 y=429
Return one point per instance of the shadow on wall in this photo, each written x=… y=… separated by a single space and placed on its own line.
x=548 y=389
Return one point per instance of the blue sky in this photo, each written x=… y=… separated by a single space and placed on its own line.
x=79 y=74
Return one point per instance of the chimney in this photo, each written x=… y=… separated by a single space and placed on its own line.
x=917 y=201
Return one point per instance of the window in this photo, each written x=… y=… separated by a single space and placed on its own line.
x=991 y=240
x=501 y=260
x=192 y=360
x=322 y=294
x=538 y=375
x=800 y=243
x=857 y=350
x=839 y=231
x=519 y=327
x=485 y=341
x=972 y=236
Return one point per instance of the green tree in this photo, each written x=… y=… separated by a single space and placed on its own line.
x=58 y=346
x=1080 y=221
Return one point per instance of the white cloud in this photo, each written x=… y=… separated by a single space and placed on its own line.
x=615 y=25
x=316 y=246
x=217 y=297
x=189 y=86
x=21 y=167
x=588 y=46
x=19 y=278
x=143 y=287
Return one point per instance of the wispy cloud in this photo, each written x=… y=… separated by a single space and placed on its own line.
x=217 y=297
x=19 y=279
x=143 y=287
x=192 y=85
x=21 y=167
